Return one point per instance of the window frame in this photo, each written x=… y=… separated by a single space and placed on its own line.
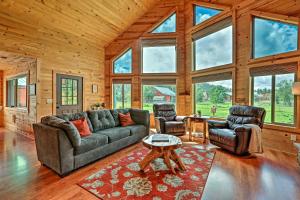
x=123 y=82
x=155 y=84
x=215 y=27
x=194 y=95
x=119 y=56
x=162 y=21
x=273 y=87
x=204 y=6
x=252 y=38
x=159 y=42
x=16 y=78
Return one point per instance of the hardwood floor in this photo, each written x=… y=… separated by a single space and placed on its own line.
x=273 y=175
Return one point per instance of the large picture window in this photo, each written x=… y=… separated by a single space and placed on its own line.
x=158 y=93
x=17 y=92
x=274 y=93
x=123 y=64
x=159 y=56
x=273 y=37
x=213 y=98
x=213 y=46
x=121 y=95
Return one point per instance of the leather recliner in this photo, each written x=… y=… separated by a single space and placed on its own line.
x=232 y=134
x=166 y=120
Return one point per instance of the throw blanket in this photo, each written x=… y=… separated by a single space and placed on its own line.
x=255 y=145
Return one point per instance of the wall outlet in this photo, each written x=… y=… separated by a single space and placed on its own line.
x=49 y=101
x=293 y=137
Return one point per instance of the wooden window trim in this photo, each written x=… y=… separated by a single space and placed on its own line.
x=274 y=17
x=232 y=86
x=122 y=82
x=158 y=42
x=117 y=57
x=273 y=123
x=15 y=78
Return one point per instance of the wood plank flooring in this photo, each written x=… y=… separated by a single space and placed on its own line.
x=273 y=175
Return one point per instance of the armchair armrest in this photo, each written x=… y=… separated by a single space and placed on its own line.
x=181 y=118
x=243 y=134
x=160 y=124
x=217 y=124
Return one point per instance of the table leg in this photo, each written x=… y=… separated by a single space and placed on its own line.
x=167 y=155
x=148 y=158
x=177 y=160
x=190 y=129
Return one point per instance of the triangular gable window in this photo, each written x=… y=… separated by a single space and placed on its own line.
x=203 y=13
x=167 y=26
x=123 y=64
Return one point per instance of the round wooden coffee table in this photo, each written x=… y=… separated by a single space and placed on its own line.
x=165 y=150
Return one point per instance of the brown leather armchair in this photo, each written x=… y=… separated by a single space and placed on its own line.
x=232 y=134
x=166 y=120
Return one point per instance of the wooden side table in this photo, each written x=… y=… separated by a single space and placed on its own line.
x=193 y=120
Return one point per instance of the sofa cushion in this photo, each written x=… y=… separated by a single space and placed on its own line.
x=115 y=114
x=82 y=127
x=137 y=129
x=76 y=116
x=174 y=126
x=125 y=119
x=101 y=119
x=223 y=136
x=68 y=127
x=115 y=133
x=91 y=142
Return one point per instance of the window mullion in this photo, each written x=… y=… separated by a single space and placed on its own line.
x=273 y=100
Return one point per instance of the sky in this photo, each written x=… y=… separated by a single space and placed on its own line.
x=272 y=37
x=123 y=64
x=224 y=83
x=159 y=59
x=202 y=14
x=168 y=26
x=262 y=82
x=214 y=49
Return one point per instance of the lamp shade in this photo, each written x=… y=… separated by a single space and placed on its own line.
x=296 y=88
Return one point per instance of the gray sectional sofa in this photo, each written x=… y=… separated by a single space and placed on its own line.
x=60 y=147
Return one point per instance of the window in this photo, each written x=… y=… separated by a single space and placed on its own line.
x=273 y=37
x=274 y=93
x=159 y=56
x=69 y=92
x=123 y=64
x=202 y=13
x=160 y=93
x=213 y=46
x=213 y=96
x=167 y=26
x=17 y=92
x=121 y=95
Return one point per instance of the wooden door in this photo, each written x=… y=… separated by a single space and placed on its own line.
x=68 y=94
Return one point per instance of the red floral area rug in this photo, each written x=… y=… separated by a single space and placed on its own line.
x=123 y=179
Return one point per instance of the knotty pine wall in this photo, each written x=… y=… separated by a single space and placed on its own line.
x=276 y=137
x=56 y=52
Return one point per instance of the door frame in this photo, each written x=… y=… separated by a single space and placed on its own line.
x=54 y=85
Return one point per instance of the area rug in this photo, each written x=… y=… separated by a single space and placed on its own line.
x=123 y=179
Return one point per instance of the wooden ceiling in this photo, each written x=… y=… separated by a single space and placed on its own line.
x=96 y=21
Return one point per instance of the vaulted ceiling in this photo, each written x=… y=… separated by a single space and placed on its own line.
x=96 y=21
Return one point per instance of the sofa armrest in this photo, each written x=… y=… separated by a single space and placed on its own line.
x=54 y=148
x=181 y=118
x=217 y=124
x=141 y=117
x=243 y=134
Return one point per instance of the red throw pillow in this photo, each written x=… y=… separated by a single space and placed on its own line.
x=82 y=127
x=125 y=119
